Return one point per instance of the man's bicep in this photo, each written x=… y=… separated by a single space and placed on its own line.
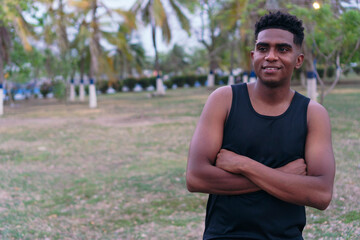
x=319 y=154
x=207 y=139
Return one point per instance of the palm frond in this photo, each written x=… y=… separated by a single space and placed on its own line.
x=184 y=21
x=159 y=13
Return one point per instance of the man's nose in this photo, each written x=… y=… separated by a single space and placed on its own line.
x=271 y=56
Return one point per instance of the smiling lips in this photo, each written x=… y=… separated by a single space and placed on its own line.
x=271 y=69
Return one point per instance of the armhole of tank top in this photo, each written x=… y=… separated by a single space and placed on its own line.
x=307 y=103
x=230 y=112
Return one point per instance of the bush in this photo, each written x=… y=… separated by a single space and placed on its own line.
x=178 y=80
x=144 y=82
x=130 y=83
x=202 y=79
x=357 y=70
x=330 y=72
x=168 y=83
x=118 y=85
x=45 y=88
x=224 y=79
x=102 y=85
x=77 y=90
x=296 y=75
x=152 y=81
x=59 y=89
x=191 y=80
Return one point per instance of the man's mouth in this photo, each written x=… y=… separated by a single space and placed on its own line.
x=271 y=68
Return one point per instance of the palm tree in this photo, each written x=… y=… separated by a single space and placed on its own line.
x=231 y=23
x=11 y=18
x=89 y=10
x=153 y=12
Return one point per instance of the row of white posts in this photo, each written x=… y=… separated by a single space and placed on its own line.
x=231 y=80
x=92 y=93
x=160 y=89
x=311 y=82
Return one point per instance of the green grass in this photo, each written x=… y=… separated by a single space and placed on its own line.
x=118 y=171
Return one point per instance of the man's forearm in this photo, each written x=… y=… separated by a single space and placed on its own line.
x=213 y=180
x=311 y=191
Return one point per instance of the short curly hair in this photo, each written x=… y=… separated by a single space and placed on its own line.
x=284 y=21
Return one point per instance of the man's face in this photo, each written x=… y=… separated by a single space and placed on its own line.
x=275 y=57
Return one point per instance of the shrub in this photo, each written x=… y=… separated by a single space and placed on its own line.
x=191 y=80
x=59 y=89
x=202 y=79
x=330 y=72
x=357 y=70
x=77 y=90
x=45 y=88
x=144 y=82
x=118 y=85
x=168 y=83
x=152 y=81
x=178 y=80
x=102 y=85
x=223 y=79
x=130 y=83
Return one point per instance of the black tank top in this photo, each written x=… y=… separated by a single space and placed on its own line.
x=273 y=141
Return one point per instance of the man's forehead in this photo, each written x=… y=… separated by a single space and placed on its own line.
x=275 y=35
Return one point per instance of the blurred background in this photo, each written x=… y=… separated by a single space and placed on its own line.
x=124 y=45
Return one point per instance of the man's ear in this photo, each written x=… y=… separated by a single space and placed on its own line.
x=252 y=55
x=299 y=61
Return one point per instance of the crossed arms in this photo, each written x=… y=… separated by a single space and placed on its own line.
x=307 y=183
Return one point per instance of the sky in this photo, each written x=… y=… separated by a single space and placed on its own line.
x=179 y=36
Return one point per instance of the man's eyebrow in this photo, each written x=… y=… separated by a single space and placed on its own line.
x=265 y=44
x=262 y=44
x=284 y=45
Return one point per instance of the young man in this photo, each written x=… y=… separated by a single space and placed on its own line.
x=261 y=150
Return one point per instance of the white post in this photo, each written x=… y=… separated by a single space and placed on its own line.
x=72 y=90
x=160 y=90
x=92 y=95
x=245 y=77
x=1 y=100
x=211 y=79
x=252 y=77
x=231 y=80
x=311 y=86
x=82 y=90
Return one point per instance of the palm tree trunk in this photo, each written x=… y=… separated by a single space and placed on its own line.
x=1 y=86
x=153 y=29
x=94 y=51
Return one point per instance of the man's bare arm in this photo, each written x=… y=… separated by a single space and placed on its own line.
x=201 y=174
x=314 y=189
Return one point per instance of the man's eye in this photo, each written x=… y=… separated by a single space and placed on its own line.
x=283 y=49
x=261 y=49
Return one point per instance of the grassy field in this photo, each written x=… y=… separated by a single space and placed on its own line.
x=118 y=171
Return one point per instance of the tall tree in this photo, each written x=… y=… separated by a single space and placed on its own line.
x=11 y=18
x=91 y=18
x=152 y=12
x=333 y=37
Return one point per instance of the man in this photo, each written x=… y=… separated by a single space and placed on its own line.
x=261 y=150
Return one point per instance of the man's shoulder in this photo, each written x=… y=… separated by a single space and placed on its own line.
x=221 y=94
x=316 y=113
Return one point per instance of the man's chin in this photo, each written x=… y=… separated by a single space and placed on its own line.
x=271 y=83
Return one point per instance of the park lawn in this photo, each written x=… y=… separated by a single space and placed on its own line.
x=118 y=171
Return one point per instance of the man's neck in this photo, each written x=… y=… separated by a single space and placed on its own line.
x=271 y=95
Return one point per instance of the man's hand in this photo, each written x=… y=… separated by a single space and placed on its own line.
x=232 y=162
x=297 y=167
